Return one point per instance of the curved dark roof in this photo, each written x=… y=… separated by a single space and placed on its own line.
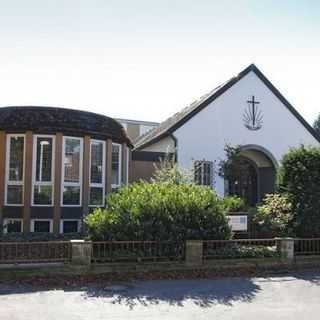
x=68 y=121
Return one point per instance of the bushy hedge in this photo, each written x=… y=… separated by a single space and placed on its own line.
x=160 y=211
x=273 y=217
x=300 y=178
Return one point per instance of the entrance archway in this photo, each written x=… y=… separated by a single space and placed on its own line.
x=256 y=175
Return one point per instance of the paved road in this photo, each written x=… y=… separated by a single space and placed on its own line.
x=294 y=296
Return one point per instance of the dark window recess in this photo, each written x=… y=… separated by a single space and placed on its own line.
x=14 y=226
x=42 y=226
x=70 y=226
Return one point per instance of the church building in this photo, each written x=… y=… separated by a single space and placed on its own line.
x=246 y=111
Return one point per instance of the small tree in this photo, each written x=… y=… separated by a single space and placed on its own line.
x=299 y=176
x=274 y=216
x=316 y=125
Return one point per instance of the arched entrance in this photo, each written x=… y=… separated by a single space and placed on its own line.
x=255 y=175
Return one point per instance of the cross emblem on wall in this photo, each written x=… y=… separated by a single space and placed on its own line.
x=252 y=116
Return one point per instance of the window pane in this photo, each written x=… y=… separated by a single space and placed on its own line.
x=96 y=162
x=16 y=159
x=42 y=195
x=70 y=226
x=14 y=226
x=96 y=196
x=41 y=226
x=71 y=195
x=72 y=160
x=115 y=164
x=44 y=159
x=14 y=194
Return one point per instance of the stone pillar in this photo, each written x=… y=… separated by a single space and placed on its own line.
x=81 y=252
x=285 y=247
x=194 y=252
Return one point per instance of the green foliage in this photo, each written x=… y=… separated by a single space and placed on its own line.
x=299 y=177
x=169 y=171
x=233 y=204
x=316 y=125
x=160 y=211
x=231 y=165
x=242 y=252
x=274 y=215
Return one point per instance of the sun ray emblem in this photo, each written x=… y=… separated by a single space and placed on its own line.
x=252 y=116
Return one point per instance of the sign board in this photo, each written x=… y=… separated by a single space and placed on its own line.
x=238 y=223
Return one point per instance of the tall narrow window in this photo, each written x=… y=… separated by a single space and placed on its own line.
x=116 y=166
x=14 y=170
x=72 y=171
x=43 y=166
x=97 y=173
x=203 y=172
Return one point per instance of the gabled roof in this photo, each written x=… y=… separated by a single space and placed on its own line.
x=167 y=127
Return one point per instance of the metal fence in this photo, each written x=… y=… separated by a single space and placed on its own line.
x=116 y=251
x=240 y=248
x=31 y=252
x=307 y=246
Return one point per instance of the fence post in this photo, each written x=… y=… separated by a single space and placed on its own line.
x=81 y=252
x=194 y=252
x=285 y=247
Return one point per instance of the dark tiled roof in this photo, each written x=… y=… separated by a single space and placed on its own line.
x=67 y=121
x=171 y=124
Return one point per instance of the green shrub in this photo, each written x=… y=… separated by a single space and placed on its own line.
x=233 y=204
x=160 y=211
x=274 y=215
x=241 y=251
x=300 y=178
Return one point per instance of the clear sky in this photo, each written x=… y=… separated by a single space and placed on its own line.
x=147 y=59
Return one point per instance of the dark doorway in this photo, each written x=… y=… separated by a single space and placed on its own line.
x=244 y=182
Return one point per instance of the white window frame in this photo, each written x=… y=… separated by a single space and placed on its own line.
x=71 y=184
x=115 y=186
x=34 y=170
x=63 y=220
x=201 y=168
x=34 y=220
x=103 y=183
x=14 y=183
x=8 y=220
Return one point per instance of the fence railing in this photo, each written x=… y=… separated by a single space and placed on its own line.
x=307 y=246
x=27 y=252
x=240 y=248
x=113 y=251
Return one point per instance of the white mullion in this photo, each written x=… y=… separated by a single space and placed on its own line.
x=71 y=184
x=102 y=184
x=120 y=164
x=7 y=181
x=34 y=170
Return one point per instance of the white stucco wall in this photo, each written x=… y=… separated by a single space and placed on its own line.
x=166 y=145
x=205 y=135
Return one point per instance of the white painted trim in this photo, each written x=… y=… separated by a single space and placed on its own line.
x=103 y=183
x=7 y=220
x=113 y=186
x=63 y=220
x=34 y=220
x=12 y=183
x=34 y=163
x=71 y=184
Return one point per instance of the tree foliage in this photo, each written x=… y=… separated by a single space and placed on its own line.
x=316 y=125
x=299 y=177
x=160 y=211
x=274 y=215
